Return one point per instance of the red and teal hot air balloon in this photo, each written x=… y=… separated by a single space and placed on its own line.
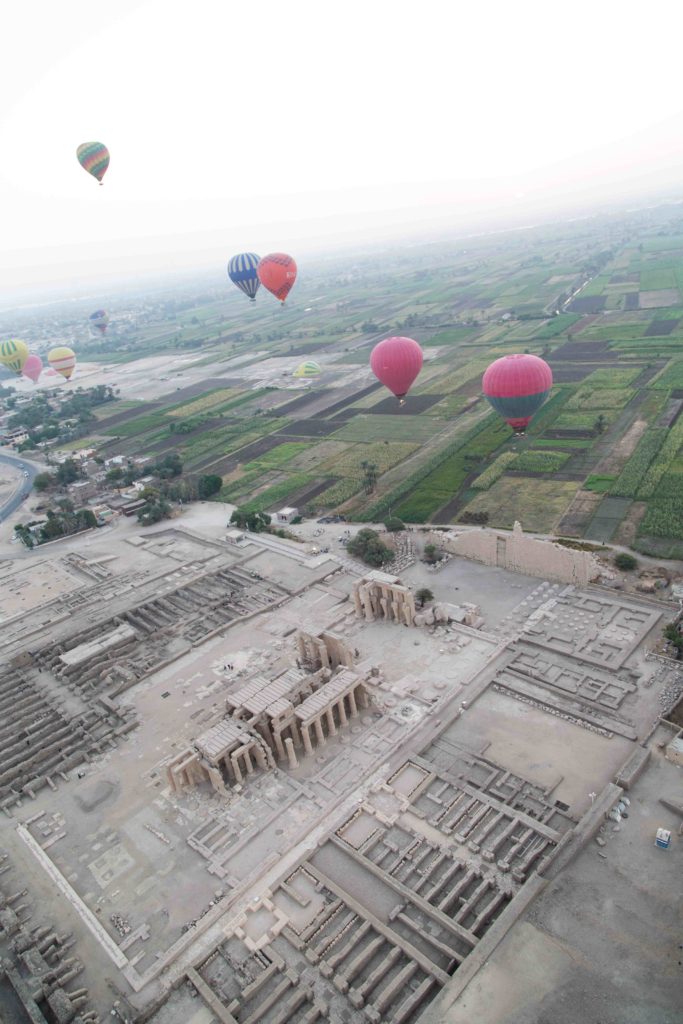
x=517 y=386
x=93 y=158
x=396 y=362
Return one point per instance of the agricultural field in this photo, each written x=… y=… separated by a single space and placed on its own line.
x=602 y=458
x=536 y=503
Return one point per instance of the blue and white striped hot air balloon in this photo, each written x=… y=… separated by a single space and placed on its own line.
x=242 y=272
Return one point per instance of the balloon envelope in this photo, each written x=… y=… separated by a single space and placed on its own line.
x=517 y=386
x=13 y=354
x=396 y=362
x=93 y=158
x=63 y=360
x=32 y=368
x=242 y=272
x=99 y=319
x=277 y=273
x=309 y=368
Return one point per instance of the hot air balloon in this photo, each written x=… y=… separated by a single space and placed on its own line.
x=33 y=367
x=517 y=386
x=99 y=319
x=63 y=360
x=396 y=362
x=13 y=354
x=93 y=158
x=309 y=368
x=242 y=272
x=277 y=273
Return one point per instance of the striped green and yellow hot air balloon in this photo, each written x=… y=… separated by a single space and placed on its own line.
x=93 y=158
x=13 y=354
x=309 y=368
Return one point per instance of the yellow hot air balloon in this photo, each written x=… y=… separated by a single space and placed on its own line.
x=13 y=354
x=309 y=368
x=63 y=360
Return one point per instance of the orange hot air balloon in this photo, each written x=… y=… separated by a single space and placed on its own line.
x=277 y=273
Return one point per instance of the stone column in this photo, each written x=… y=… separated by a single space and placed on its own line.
x=247 y=762
x=367 y=604
x=363 y=697
x=331 y=727
x=295 y=732
x=236 y=768
x=293 y=763
x=343 y=720
x=323 y=656
x=352 y=704
x=260 y=758
x=277 y=740
x=306 y=736
x=318 y=725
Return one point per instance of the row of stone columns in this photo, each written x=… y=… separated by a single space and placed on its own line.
x=328 y=714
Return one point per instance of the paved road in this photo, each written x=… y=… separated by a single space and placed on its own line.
x=24 y=486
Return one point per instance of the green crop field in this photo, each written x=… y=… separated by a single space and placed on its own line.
x=589 y=397
x=612 y=425
x=537 y=504
x=369 y=428
x=382 y=455
x=540 y=462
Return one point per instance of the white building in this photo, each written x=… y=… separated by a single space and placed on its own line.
x=286 y=515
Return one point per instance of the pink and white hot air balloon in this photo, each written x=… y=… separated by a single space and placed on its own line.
x=33 y=367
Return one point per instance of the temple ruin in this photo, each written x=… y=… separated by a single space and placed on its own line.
x=274 y=719
x=241 y=793
x=381 y=596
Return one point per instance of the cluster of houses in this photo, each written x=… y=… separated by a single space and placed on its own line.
x=95 y=492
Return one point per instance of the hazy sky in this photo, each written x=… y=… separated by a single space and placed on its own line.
x=270 y=125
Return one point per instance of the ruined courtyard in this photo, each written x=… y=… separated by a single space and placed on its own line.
x=242 y=781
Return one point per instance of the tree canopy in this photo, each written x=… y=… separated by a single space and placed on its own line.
x=367 y=546
x=244 y=519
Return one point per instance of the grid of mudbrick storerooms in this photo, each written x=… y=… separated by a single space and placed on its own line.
x=333 y=961
x=40 y=740
x=375 y=961
x=500 y=822
x=246 y=987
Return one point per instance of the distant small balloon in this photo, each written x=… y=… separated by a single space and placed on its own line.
x=13 y=354
x=396 y=362
x=93 y=158
x=309 y=368
x=242 y=272
x=277 y=273
x=99 y=319
x=63 y=360
x=33 y=367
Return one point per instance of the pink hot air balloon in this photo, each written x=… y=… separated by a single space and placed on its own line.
x=32 y=368
x=396 y=362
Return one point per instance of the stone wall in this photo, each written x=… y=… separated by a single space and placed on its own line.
x=520 y=553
